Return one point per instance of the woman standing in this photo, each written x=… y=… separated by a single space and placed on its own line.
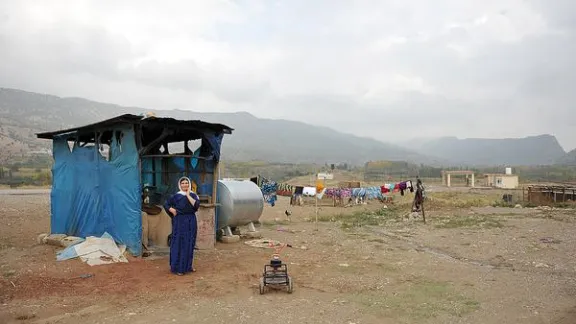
x=182 y=208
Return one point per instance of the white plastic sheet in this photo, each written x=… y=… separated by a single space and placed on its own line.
x=95 y=251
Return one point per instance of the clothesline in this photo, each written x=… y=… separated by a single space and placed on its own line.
x=271 y=189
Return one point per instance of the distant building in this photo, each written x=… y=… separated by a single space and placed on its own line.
x=468 y=177
x=325 y=176
x=500 y=180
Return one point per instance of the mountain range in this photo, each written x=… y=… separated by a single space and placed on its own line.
x=22 y=114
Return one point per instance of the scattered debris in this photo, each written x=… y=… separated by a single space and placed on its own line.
x=84 y=276
x=549 y=240
x=62 y=240
x=263 y=243
x=95 y=251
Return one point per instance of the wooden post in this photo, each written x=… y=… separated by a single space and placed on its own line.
x=316 y=199
x=523 y=197
x=423 y=212
x=216 y=176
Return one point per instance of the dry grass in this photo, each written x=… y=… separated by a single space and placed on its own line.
x=418 y=300
x=274 y=223
x=471 y=221
x=453 y=199
x=363 y=218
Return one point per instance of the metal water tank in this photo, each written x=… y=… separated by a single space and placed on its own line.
x=238 y=203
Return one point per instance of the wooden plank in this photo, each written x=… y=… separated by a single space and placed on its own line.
x=216 y=177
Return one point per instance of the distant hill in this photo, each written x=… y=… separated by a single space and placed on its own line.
x=568 y=158
x=531 y=150
x=24 y=113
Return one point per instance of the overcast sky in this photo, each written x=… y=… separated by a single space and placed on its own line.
x=388 y=69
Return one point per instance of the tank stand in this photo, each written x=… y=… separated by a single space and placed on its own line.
x=252 y=232
x=227 y=231
x=228 y=237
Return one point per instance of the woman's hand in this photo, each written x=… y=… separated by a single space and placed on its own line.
x=191 y=199
x=172 y=211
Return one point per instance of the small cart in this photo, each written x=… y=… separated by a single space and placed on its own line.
x=275 y=275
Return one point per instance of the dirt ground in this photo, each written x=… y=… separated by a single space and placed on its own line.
x=363 y=264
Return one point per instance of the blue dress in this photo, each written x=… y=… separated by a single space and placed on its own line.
x=184 y=230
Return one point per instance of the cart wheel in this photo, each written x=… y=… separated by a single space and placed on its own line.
x=290 y=286
x=262 y=286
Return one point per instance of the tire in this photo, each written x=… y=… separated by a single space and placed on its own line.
x=290 y=288
x=262 y=286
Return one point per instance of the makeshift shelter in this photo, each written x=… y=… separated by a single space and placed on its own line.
x=549 y=193
x=102 y=171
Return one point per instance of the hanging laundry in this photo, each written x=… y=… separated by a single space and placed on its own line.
x=269 y=189
x=285 y=189
x=384 y=189
x=309 y=191
x=299 y=190
x=373 y=193
x=359 y=192
x=339 y=192
x=330 y=192
x=345 y=193
x=320 y=195
x=405 y=185
x=409 y=185
x=271 y=199
x=319 y=185
x=402 y=187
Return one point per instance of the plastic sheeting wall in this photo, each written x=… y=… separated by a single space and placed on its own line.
x=91 y=196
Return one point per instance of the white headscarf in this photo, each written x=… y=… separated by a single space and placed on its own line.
x=182 y=192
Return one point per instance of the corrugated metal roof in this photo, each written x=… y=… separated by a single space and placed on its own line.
x=153 y=122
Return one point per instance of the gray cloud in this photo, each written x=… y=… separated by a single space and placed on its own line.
x=383 y=69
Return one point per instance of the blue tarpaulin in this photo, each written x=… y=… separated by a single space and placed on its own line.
x=91 y=196
x=211 y=145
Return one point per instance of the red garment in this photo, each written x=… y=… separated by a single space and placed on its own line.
x=397 y=187
x=384 y=189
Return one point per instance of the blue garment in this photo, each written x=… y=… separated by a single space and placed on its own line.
x=184 y=231
x=374 y=193
x=269 y=189
x=359 y=192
